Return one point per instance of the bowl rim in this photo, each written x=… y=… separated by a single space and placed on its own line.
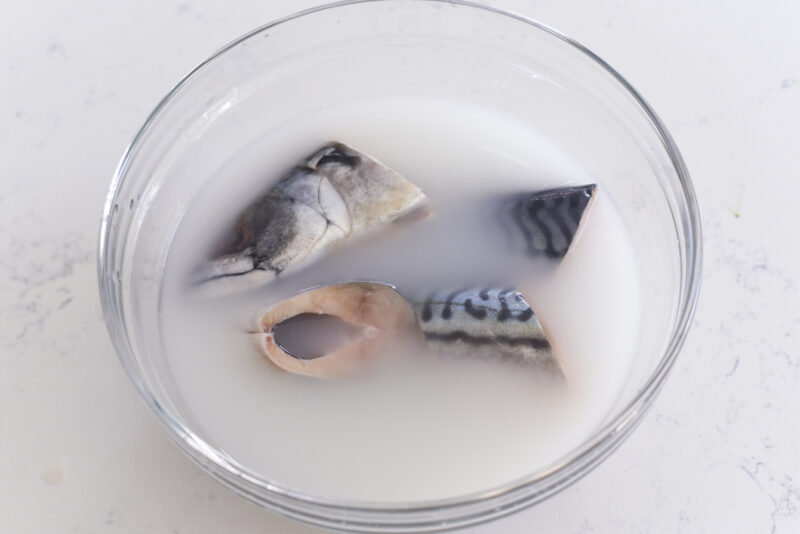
x=498 y=501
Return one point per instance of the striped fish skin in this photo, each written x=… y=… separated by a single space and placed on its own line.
x=547 y=222
x=489 y=322
x=333 y=194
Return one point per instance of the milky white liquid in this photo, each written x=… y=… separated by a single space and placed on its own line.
x=418 y=428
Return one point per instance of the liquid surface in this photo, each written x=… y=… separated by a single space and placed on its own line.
x=418 y=428
x=308 y=335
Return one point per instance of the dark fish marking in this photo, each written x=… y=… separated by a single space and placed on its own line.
x=447 y=312
x=340 y=158
x=504 y=314
x=562 y=226
x=427 y=312
x=484 y=294
x=525 y=315
x=477 y=313
x=575 y=209
x=460 y=335
x=535 y=211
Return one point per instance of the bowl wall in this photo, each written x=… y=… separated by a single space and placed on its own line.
x=363 y=50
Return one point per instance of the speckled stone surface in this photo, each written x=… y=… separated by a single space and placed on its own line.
x=79 y=452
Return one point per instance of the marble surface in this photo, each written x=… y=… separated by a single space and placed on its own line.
x=80 y=453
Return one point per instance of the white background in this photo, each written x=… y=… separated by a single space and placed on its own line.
x=79 y=452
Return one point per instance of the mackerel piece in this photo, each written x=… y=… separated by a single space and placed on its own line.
x=486 y=322
x=370 y=316
x=334 y=194
x=546 y=223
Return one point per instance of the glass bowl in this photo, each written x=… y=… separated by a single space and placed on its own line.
x=362 y=49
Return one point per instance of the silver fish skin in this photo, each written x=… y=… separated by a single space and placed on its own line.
x=490 y=322
x=335 y=193
x=547 y=223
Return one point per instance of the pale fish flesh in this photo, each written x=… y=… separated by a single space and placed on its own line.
x=547 y=223
x=377 y=312
x=335 y=193
x=473 y=322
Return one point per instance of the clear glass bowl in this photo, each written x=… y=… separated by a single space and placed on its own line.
x=362 y=49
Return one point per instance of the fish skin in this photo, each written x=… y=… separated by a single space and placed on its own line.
x=333 y=194
x=488 y=322
x=546 y=223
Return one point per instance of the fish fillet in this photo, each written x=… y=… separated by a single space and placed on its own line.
x=334 y=194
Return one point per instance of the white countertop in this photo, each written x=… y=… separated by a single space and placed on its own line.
x=79 y=451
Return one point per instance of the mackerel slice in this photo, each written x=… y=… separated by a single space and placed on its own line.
x=549 y=222
x=489 y=322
